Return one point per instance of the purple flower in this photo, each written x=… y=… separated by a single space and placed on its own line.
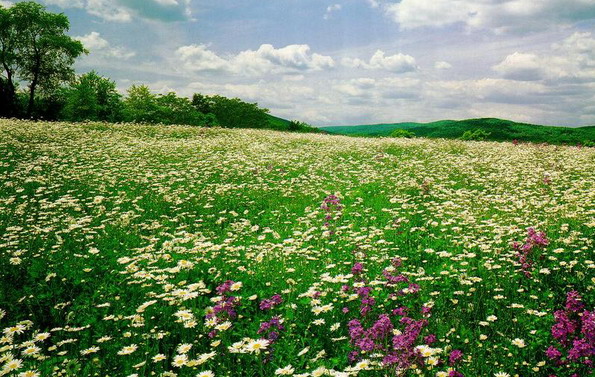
x=552 y=353
x=357 y=268
x=573 y=302
x=454 y=357
x=268 y=304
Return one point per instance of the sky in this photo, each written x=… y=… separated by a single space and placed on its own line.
x=342 y=62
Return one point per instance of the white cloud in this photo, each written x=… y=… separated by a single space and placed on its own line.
x=373 y=3
x=101 y=47
x=266 y=60
x=522 y=67
x=497 y=15
x=442 y=65
x=6 y=4
x=398 y=63
x=200 y=58
x=331 y=9
x=571 y=60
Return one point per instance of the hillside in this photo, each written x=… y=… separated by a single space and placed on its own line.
x=277 y=123
x=499 y=129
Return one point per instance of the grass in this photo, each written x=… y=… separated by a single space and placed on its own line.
x=119 y=244
x=499 y=130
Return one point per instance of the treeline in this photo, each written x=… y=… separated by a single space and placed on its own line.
x=37 y=81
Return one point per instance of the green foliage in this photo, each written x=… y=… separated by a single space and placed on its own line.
x=36 y=49
x=298 y=126
x=232 y=112
x=142 y=106
x=477 y=135
x=179 y=110
x=92 y=97
x=8 y=64
x=402 y=133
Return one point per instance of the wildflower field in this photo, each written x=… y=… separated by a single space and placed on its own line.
x=177 y=251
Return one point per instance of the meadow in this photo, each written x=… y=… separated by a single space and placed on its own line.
x=130 y=250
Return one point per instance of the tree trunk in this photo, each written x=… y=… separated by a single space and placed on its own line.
x=33 y=86
x=31 y=97
x=11 y=100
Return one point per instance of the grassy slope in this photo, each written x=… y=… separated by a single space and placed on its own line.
x=277 y=123
x=499 y=129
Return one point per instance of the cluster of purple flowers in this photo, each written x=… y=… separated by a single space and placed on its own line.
x=400 y=349
x=272 y=331
x=269 y=303
x=225 y=309
x=525 y=250
x=574 y=331
x=331 y=205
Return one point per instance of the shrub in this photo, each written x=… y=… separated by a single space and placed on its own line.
x=399 y=132
x=477 y=135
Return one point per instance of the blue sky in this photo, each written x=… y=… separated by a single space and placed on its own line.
x=353 y=61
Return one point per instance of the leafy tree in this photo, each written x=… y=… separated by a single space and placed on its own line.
x=36 y=49
x=92 y=97
x=141 y=106
x=8 y=63
x=145 y=107
x=232 y=112
x=179 y=110
x=399 y=132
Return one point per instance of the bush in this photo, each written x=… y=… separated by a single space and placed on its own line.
x=477 y=135
x=402 y=133
x=232 y=112
x=297 y=126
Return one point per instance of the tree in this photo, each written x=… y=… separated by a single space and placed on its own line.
x=399 y=132
x=232 y=112
x=38 y=49
x=8 y=62
x=92 y=97
x=179 y=110
x=142 y=106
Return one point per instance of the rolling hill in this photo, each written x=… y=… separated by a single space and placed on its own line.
x=498 y=129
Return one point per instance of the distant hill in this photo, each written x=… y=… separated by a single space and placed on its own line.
x=498 y=129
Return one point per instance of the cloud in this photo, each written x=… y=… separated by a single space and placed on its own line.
x=126 y=10
x=373 y=3
x=200 y=58
x=330 y=10
x=442 y=65
x=266 y=60
x=498 y=15
x=101 y=47
x=572 y=60
x=6 y=4
x=522 y=67
x=398 y=63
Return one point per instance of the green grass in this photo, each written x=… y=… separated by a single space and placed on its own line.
x=499 y=129
x=120 y=235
